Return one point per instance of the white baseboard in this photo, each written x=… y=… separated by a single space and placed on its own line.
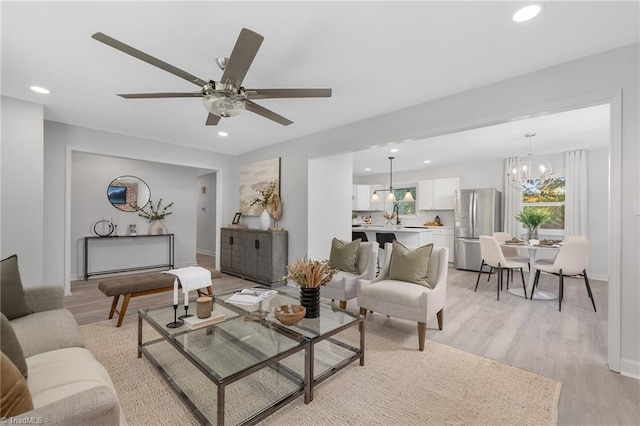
x=630 y=368
x=599 y=277
x=207 y=252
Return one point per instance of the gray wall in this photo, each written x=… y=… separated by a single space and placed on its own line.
x=22 y=212
x=90 y=176
x=206 y=230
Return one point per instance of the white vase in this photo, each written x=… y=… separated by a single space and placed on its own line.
x=158 y=228
x=265 y=220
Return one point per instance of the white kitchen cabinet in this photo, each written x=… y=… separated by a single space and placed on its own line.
x=444 y=238
x=437 y=194
x=361 y=197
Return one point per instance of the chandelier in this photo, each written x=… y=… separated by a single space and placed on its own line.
x=530 y=170
x=391 y=198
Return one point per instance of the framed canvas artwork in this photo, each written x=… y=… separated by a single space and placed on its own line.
x=256 y=179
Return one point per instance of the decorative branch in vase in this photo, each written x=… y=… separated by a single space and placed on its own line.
x=265 y=199
x=309 y=275
x=155 y=215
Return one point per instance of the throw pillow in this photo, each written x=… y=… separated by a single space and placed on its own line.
x=12 y=302
x=344 y=255
x=15 y=397
x=410 y=265
x=11 y=346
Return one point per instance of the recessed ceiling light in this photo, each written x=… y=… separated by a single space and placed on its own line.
x=426 y=161
x=40 y=90
x=394 y=150
x=368 y=169
x=526 y=13
x=223 y=134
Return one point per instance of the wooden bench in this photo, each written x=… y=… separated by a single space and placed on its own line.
x=140 y=285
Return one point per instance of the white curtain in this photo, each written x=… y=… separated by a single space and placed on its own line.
x=512 y=200
x=575 y=210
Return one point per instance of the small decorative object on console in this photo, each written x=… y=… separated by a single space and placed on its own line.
x=103 y=228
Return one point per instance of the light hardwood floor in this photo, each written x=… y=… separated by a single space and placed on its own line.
x=569 y=346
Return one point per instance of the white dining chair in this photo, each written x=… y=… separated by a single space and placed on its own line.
x=493 y=256
x=572 y=261
x=566 y=240
x=510 y=253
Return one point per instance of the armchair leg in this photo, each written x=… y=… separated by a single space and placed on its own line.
x=363 y=312
x=343 y=304
x=422 y=332
x=439 y=315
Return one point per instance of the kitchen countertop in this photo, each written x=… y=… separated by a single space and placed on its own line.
x=389 y=229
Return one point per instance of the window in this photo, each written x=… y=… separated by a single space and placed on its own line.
x=550 y=197
x=405 y=208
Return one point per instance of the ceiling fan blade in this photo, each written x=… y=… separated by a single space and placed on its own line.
x=161 y=95
x=242 y=56
x=287 y=93
x=266 y=113
x=212 y=120
x=109 y=41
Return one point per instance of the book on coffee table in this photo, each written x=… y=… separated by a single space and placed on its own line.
x=195 y=322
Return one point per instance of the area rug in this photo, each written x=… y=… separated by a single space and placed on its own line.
x=397 y=385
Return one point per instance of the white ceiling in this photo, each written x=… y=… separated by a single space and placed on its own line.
x=377 y=57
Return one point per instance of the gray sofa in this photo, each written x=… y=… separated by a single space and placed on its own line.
x=68 y=385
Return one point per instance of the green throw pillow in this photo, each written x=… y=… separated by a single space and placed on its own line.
x=13 y=304
x=344 y=256
x=410 y=265
x=11 y=346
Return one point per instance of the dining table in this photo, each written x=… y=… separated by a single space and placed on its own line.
x=533 y=251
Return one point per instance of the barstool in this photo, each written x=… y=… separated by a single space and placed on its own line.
x=359 y=234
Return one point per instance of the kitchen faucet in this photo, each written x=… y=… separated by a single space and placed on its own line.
x=396 y=210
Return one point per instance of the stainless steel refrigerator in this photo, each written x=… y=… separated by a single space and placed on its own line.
x=477 y=212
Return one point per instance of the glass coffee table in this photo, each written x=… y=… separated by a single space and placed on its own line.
x=243 y=369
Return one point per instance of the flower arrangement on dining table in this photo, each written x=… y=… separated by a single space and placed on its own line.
x=155 y=213
x=308 y=273
x=532 y=218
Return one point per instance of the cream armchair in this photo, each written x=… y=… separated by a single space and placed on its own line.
x=343 y=286
x=407 y=300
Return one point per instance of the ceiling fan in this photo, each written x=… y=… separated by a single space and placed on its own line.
x=227 y=97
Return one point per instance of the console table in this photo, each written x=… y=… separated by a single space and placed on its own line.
x=168 y=238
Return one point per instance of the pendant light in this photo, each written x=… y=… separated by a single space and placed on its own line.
x=391 y=198
x=530 y=168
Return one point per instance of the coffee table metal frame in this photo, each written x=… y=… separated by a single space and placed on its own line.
x=307 y=338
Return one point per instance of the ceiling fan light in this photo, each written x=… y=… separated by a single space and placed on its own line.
x=222 y=105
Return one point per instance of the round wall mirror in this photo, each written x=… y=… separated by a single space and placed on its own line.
x=128 y=193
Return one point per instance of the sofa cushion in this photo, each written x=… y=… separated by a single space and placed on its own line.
x=60 y=373
x=11 y=346
x=344 y=255
x=47 y=331
x=12 y=302
x=410 y=265
x=15 y=397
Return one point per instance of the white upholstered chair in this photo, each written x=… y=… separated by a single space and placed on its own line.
x=572 y=261
x=493 y=256
x=566 y=240
x=343 y=286
x=510 y=253
x=406 y=300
